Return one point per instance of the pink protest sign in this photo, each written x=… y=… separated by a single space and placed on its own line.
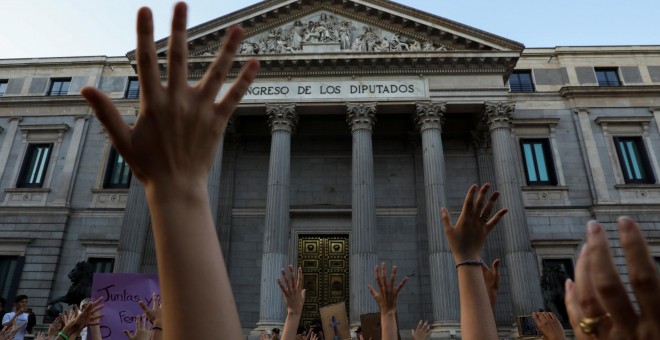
x=121 y=294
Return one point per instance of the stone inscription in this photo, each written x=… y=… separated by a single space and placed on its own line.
x=353 y=90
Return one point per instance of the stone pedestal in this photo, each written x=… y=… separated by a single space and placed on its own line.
x=363 y=258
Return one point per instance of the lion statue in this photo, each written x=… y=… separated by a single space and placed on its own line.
x=81 y=287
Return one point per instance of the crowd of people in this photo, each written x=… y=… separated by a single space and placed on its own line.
x=170 y=149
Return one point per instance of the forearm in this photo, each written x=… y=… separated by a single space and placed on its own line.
x=290 y=326
x=477 y=320
x=190 y=263
x=94 y=332
x=388 y=326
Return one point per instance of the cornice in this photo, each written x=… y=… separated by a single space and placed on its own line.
x=341 y=64
x=624 y=120
x=42 y=100
x=610 y=91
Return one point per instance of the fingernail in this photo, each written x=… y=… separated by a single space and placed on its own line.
x=593 y=227
x=568 y=285
x=583 y=251
x=626 y=223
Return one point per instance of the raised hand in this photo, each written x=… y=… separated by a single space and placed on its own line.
x=142 y=331
x=154 y=314
x=263 y=336
x=55 y=327
x=549 y=326
x=292 y=289
x=386 y=297
x=467 y=236
x=492 y=280
x=422 y=331
x=598 y=304
x=154 y=146
x=388 y=292
x=75 y=320
x=42 y=336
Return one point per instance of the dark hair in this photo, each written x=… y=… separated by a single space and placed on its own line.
x=19 y=298
x=3 y=301
x=358 y=330
x=276 y=330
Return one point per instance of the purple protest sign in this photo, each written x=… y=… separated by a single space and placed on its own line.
x=121 y=294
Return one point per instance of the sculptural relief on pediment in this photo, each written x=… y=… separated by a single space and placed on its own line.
x=326 y=32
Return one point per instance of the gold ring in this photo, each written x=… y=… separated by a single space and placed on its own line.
x=590 y=325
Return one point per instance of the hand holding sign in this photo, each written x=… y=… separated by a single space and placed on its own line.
x=154 y=314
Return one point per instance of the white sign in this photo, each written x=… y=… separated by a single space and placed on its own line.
x=344 y=90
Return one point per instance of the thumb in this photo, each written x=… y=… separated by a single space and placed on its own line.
x=302 y=293
x=496 y=266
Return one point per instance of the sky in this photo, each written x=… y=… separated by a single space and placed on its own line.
x=61 y=28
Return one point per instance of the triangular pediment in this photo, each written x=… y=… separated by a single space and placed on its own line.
x=277 y=27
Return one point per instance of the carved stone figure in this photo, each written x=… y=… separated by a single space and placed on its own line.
x=297 y=35
x=81 y=287
x=552 y=286
x=414 y=46
x=345 y=35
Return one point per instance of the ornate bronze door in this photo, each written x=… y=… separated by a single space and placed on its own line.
x=324 y=262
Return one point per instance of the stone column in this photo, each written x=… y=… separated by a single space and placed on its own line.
x=599 y=184
x=7 y=143
x=363 y=258
x=68 y=172
x=444 y=282
x=134 y=227
x=282 y=120
x=519 y=258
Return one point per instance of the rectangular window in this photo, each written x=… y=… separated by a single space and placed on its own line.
x=102 y=264
x=35 y=165
x=521 y=81
x=3 y=86
x=539 y=166
x=608 y=77
x=11 y=268
x=554 y=275
x=117 y=174
x=59 y=86
x=633 y=159
x=133 y=89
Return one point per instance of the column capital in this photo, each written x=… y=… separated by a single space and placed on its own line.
x=282 y=117
x=430 y=115
x=361 y=116
x=498 y=114
x=481 y=140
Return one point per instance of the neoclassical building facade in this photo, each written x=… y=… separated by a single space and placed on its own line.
x=367 y=118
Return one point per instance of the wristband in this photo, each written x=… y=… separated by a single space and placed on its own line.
x=63 y=335
x=470 y=263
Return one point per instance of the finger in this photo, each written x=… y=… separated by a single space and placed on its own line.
x=446 y=221
x=378 y=280
x=403 y=283
x=144 y=306
x=373 y=292
x=147 y=63
x=609 y=288
x=108 y=115
x=292 y=278
x=393 y=276
x=641 y=270
x=572 y=306
x=154 y=296
x=217 y=73
x=584 y=287
x=488 y=209
x=177 y=53
x=287 y=284
x=481 y=198
x=495 y=219
x=127 y=333
x=383 y=274
x=299 y=283
x=282 y=288
x=302 y=293
x=228 y=104
x=468 y=204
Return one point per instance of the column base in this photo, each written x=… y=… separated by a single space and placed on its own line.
x=446 y=330
x=264 y=326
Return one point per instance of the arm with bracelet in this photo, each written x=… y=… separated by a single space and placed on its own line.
x=466 y=238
